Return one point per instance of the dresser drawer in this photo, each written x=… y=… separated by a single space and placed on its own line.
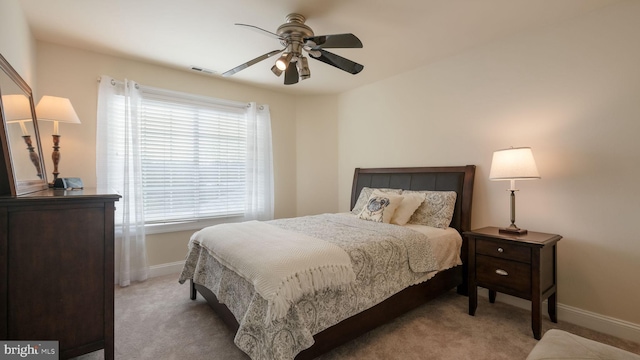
x=503 y=250
x=509 y=277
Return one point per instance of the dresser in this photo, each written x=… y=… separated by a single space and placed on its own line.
x=57 y=271
x=524 y=266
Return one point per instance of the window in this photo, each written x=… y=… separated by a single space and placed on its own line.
x=182 y=161
x=193 y=157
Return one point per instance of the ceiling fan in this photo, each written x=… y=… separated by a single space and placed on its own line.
x=295 y=36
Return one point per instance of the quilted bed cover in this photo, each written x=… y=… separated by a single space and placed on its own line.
x=381 y=256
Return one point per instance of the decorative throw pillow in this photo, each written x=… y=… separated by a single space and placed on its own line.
x=364 y=196
x=380 y=207
x=436 y=210
x=409 y=204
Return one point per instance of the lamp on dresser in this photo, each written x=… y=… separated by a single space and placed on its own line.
x=17 y=110
x=56 y=109
x=513 y=164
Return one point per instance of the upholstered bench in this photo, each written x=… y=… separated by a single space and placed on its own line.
x=558 y=344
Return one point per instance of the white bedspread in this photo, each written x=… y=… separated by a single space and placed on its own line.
x=282 y=265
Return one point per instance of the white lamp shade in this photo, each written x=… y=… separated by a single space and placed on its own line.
x=16 y=108
x=513 y=164
x=52 y=108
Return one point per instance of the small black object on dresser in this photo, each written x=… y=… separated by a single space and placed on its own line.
x=68 y=183
x=522 y=265
x=57 y=278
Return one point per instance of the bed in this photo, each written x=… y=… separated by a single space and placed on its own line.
x=317 y=323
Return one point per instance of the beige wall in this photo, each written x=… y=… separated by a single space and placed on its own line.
x=73 y=73
x=572 y=93
x=17 y=45
x=317 y=154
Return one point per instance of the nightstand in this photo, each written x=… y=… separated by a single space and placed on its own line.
x=519 y=265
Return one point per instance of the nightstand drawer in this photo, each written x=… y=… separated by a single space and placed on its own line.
x=509 y=277
x=503 y=250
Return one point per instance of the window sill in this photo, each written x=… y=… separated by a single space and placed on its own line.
x=189 y=225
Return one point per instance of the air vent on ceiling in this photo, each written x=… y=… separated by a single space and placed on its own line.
x=203 y=70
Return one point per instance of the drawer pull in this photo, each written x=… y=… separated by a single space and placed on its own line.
x=502 y=272
x=500 y=250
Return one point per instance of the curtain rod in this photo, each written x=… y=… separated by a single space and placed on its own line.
x=156 y=90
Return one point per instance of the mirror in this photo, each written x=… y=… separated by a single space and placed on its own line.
x=22 y=170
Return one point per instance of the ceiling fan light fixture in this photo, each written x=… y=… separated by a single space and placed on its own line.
x=284 y=61
x=276 y=71
x=303 y=68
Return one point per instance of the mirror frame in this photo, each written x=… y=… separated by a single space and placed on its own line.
x=9 y=185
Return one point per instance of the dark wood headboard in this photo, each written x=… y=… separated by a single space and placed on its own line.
x=445 y=178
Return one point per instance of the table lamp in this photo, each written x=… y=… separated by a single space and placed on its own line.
x=513 y=164
x=17 y=109
x=56 y=109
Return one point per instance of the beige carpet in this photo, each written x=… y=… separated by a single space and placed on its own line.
x=156 y=320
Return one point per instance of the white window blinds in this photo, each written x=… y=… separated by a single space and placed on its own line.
x=194 y=155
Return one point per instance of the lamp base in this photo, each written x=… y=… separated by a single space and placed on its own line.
x=512 y=230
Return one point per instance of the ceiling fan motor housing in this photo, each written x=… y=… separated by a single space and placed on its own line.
x=293 y=32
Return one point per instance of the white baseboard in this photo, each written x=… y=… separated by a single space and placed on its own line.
x=165 y=269
x=590 y=320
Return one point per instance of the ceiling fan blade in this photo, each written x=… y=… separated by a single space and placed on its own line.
x=262 y=31
x=251 y=62
x=291 y=74
x=335 y=41
x=338 y=61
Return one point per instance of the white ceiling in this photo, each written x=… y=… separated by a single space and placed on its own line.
x=398 y=35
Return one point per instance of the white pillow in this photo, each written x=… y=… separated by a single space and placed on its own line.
x=364 y=195
x=380 y=207
x=410 y=202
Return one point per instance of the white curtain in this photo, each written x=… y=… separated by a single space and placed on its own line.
x=259 y=169
x=118 y=168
